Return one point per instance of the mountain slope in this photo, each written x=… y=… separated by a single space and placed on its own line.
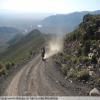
x=24 y=48
x=80 y=60
x=62 y=23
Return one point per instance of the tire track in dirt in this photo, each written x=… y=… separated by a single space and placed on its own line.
x=38 y=78
x=15 y=88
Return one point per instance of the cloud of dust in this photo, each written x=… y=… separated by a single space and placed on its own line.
x=54 y=46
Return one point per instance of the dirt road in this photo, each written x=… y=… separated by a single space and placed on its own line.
x=38 y=78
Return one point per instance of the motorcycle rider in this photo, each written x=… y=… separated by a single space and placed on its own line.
x=43 y=53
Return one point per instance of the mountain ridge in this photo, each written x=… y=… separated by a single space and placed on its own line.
x=22 y=48
x=63 y=23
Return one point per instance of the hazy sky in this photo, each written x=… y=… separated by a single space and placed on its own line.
x=48 y=6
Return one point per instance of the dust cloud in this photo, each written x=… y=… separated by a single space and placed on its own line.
x=54 y=46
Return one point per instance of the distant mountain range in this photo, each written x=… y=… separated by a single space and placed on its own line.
x=60 y=23
x=7 y=33
x=23 y=21
x=8 y=30
x=63 y=23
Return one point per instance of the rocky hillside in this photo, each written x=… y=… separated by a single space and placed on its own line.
x=80 y=60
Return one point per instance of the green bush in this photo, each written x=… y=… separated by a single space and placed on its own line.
x=8 y=65
x=1 y=66
x=86 y=48
x=2 y=70
x=72 y=73
x=84 y=59
x=94 y=60
x=76 y=35
x=12 y=64
x=79 y=51
x=66 y=57
x=97 y=80
x=83 y=75
x=31 y=52
x=74 y=60
x=64 y=69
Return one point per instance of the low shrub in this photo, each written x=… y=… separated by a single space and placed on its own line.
x=84 y=59
x=2 y=70
x=83 y=75
x=8 y=65
x=64 y=69
x=1 y=66
x=97 y=81
x=94 y=60
x=72 y=73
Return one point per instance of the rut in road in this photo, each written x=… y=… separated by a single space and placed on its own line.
x=14 y=86
x=32 y=79
x=38 y=78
